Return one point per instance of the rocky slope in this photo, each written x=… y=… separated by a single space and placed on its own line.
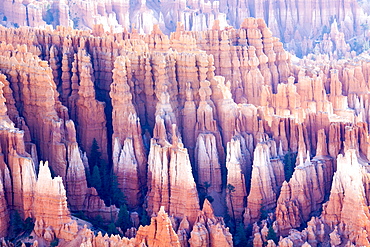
x=210 y=133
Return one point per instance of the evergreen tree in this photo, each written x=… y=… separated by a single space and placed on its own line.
x=104 y=186
x=112 y=229
x=106 y=182
x=96 y=179
x=29 y=225
x=289 y=165
x=16 y=223
x=19 y=226
x=271 y=234
x=118 y=198
x=55 y=242
x=88 y=177
x=264 y=213
x=231 y=189
x=241 y=236
x=95 y=155
x=97 y=221
x=123 y=221
x=103 y=179
x=144 y=218
x=206 y=186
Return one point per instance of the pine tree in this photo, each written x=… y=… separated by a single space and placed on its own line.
x=17 y=223
x=112 y=229
x=271 y=234
x=118 y=198
x=88 y=177
x=206 y=186
x=55 y=242
x=231 y=189
x=241 y=236
x=98 y=167
x=95 y=155
x=106 y=182
x=289 y=164
x=123 y=221
x=29 y=225
x=97 y=221
x=144 y=218
x=96 y=179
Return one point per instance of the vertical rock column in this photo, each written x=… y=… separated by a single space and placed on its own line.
x=50 y=208
x=302 y=196
x=17 y=168
x=90 y=112
x=234 y=163
x=262 y=195
x=129 y=160
x=76 y=184
x=159 y=233
x=347 y=204
x=210 y=230
x=170 y=180
x=39 y=109
x=208 y=165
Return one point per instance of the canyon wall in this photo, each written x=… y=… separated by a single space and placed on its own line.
x=300 y=25
x=210 y=133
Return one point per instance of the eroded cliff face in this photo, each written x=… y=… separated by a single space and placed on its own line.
x=298 y=24
x=202 y=130
x=52 y=217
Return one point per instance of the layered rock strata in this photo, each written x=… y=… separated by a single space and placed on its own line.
x=186 y=116
x=52 y=217
x=282 y=18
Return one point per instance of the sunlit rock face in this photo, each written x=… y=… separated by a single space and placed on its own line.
x=209 y=132
x=298 y=24
x=52 y=217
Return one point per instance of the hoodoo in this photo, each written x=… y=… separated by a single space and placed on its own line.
x=184 y=123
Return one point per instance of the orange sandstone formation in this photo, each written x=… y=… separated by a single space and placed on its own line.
x=50 y=208
x=170 y=181
x=209 y=230
x=235 y=162
x=128 y=151
x=185 y=116
x=89 y=108
x=348 y=192
x=264 y=185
